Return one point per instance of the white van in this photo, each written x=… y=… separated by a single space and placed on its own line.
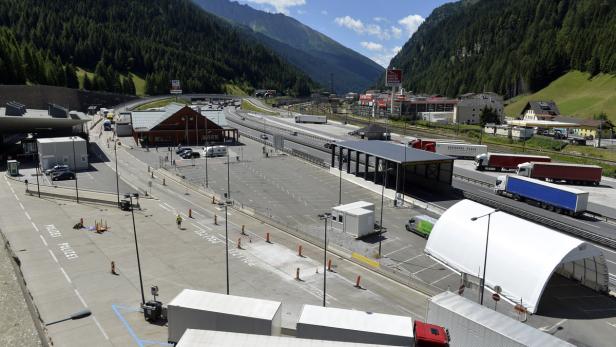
x=215 y=151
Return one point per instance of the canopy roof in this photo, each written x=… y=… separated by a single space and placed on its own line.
x=393 y=152
x=521 y=255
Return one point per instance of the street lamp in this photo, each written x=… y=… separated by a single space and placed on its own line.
x=340 y=185
x=115 y=152
x=206 y=150
x=228 y=174
x=384 y=173
x=77 y=315
x=485 y=259
x=132 y=212
x=227 y=203
x=75 y=168
x=325 y=216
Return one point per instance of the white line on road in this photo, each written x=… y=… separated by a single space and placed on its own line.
x=397 y=250
x=442 y=278
x=66 y=275
x=28 y=216
x=35 y=227
x=613 y=325
x=22 y=206
x=100 y=328
x=16 y=196
x=610 y=261
x=409 y=259
x=80 y=298
x=43 y=239
x=424 y=269
x=53 y=256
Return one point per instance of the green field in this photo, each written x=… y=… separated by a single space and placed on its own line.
x=234 y=90
x=575 y=94
x=139 y=82
x=162 y=103
x=247 y=106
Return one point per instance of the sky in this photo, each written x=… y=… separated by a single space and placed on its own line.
x=377 y=28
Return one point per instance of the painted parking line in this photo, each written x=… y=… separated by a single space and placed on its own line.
x=43 y=239
x=442 y=278
x=140 y=342
x=53 y=256
x=409 y=259
x=397 y=250
x=80 y=298
x=66 y=275
x=424 y=269
x=35 y=227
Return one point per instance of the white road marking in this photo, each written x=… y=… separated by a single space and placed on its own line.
x=22 y=206
x=442 y=278
x=613 y=325
x=16 y=196
x=100 y=328
x=35 y=227
x=404 y=262
x=53 y=256
x=397 y=250
x=43 y=239
x=424 y=269
x=80 y=298
x=66 y=275
x=28 y=216
x=548 y=328
x=610 y=261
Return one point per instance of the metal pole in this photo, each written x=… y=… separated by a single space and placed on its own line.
x=227 y=246
x=206 y=152
x=403 y=168
x=382 y=198
x=75 y=167
x=228 y=175
x=132 y=212
x=115 y=151
x=325 y=263
x=340 y=188
x=38 y=171
x=485 y=260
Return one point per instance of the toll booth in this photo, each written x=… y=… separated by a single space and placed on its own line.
x=12 y=167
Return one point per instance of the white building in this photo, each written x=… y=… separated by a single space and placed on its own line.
x=356 y=218
x=468 y=109
x=59 y=151
x=512 y=132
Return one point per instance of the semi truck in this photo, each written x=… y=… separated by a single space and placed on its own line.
x=305 y=118
x=553 y=197
x=449 y=148
x=556 y=172
x=506 y=161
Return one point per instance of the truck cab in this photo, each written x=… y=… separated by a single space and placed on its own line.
x=524 y=169
x=481 y=160
x=430 y=335
x=499 y=185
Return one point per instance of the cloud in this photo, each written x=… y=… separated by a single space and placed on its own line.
x=324 y=12
x=372 y=46
x=281 y=6
x=380 y=19
x=396 y=50
x=411 y=22
x=300 y=12
x=359 y=27
x=395 y=32
x=384 y=58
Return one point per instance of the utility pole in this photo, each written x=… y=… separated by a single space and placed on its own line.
x=75 y=168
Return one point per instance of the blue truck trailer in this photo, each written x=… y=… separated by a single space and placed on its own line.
x=550 y=196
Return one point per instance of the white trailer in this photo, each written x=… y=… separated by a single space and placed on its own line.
x=306 y=118
x=336 y=324
x=460 y=150
x=472 y=325
x=215 y=151
x=356 y=218
x=210 y=338
x=193 y=309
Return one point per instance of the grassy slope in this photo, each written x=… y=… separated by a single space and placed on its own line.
x=576 y=95
x=162 y=103
x=139 y=82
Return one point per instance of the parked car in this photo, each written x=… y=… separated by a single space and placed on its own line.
x=57 y=168
x=189 y=155
x=184 y=151
x=64 y=175
x=180 y=149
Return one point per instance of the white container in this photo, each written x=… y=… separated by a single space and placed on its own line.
x=356 y=218
x=193 y=309
x=460 y=150
x=59 y=151
x=304 y=118
x=472 y=325
x=209 y=338
x=215 y=151
x=328 y=323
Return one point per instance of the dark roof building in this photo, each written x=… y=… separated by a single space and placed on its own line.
x=540 y=110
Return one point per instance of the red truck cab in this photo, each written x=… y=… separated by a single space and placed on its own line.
x=430 y=335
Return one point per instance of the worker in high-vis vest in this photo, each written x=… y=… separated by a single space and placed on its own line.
x=178 y=220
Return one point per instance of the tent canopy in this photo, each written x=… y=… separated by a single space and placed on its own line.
x=521 y=255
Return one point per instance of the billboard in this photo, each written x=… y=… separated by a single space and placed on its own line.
x=393 y=78
x=176 y=88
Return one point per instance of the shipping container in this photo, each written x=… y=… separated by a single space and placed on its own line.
x=556 y=172
x=505 y=161
x=304 y=118
x=328 y=323
x=551 y=196
x=356 y=218
x=460 y=150
x=472 y=325
x=210 y=338
x=193 y=309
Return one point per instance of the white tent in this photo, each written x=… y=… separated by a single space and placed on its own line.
x=522 y=256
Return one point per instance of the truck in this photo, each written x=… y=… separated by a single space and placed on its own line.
x=336 y=324
x=556 y=172
x=421 y=225
x=554 y=197
x=305 y=118
x=506 y=161
x=215 y=151
x=472 y=325
x=194 y=309
x=460 y=150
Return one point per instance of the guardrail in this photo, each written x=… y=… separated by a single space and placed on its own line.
x=558 y=225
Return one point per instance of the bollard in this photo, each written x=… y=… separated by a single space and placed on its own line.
x=152 y=174
x=267 y=238
x=329 y=265
x=81 y=221
x=297 y=274
x=239 y=243
x=113 y=270
x=213 y=199
x=357 y=285
x=299 y=250
x=243 y=232
x=190 y=213
x=164 y=183
x=148 y=168
x=215 y=220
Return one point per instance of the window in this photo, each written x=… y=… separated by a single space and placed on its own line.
x=340 y=218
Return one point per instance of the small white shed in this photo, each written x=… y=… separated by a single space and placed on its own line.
x=356 y=218
x=59 y=151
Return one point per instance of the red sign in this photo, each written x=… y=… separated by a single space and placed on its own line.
x=495 y=297
x=393 y=77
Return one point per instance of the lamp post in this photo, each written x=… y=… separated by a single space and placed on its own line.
x=228 y=174
x=227 y=203
x=340 y=185
x=75 y=168
x=325 y=216
x=206 y=150
x=485 y=259
x=132 y=212
x=382 y=200
x=115 y=152
x=38 y=171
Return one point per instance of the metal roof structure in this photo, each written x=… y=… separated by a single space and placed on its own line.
x=522 y=256
x=32 y=120
x=357 y=320
x=217 y=117
x=61 y=139
x=228 y=304
x=210 y=338
x=393 y=152
x=524 y=334
x=147 y=120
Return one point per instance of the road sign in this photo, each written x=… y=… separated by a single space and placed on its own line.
x=393 y=78
x=495 y=297
x=519 y=308
x=176 y=87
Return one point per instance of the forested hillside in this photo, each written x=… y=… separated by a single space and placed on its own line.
x=508 y=46
x=42 y=42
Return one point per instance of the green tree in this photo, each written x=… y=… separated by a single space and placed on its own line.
x=71 y=76
x=488 y=116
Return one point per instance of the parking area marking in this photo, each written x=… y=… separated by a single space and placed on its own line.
x=66 y=275
x=442 y=278
x=83 y=302
x=100 y=328
x=409 y=259
x=397 y=250
x=35 y=227
x=424 y=269
x=20 y=205
x=43 y=239
x=53 y=256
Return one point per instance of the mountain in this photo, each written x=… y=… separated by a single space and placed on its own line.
x=309 y=50
x=43 y=41
x=508 y=46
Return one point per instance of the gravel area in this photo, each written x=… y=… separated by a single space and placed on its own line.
x=16 y=325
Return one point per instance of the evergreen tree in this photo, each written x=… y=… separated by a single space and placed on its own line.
x=87 y=84
x=71 y=76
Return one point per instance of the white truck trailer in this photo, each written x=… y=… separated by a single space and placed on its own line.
x=472 y=325
x=460 y=150
x=306 y=118
x=193 y=309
